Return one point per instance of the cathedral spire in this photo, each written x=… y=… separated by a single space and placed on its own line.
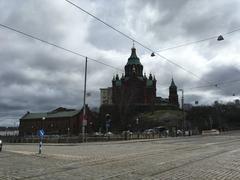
x=133 y=66
x=173 y=96
x=172 y=83
x=134 y=54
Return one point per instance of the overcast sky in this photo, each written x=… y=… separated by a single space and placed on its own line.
x=36 y=77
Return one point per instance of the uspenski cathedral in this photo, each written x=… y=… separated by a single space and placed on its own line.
x=133 y=93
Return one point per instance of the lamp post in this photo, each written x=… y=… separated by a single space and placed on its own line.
x=68 y=129
x=32 y=131
x=43 y=118
x=183 y=124
x=84 y=121
x=41 y=134
x=137 y=123
x=107 y=116
x=52 y=131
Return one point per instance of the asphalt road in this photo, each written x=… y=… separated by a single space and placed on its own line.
x=199 y=157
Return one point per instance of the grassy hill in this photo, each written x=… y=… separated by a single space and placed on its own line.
x=166 y=118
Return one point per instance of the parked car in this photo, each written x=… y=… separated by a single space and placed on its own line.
x=149 y=131
x=159 y=129
x=211 y=132
x=0 y=145
x=179 y=132
x=127 y=133
x=97 y=134
x=108 y=134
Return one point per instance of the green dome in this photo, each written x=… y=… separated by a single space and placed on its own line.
x=133 y=59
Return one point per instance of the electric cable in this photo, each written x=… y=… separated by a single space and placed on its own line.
x=57 y=46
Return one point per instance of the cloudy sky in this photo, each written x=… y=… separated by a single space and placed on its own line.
x=37 y=77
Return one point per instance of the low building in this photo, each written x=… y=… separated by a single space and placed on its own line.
x=9 y=131
x=57 y=122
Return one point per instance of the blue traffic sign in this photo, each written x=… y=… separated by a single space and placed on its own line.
x=41 y=133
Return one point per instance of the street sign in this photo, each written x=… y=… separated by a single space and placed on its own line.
x=41 y=133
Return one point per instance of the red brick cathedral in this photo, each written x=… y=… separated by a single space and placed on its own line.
x=131 y=94
x=133 y=87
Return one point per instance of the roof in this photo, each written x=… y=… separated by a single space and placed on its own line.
x=173 y=84
x=118 y=82
x=133 y=59
x=53 y=114
x=149 y=82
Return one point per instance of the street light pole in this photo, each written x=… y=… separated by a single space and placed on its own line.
x=84 y=121
x=183 y=125
x=41 y=136
x=137 y=123
x=43 y=118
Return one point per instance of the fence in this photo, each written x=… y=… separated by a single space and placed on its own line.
x=78 y=139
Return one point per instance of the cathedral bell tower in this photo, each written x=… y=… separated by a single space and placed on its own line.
x=173 y=96
x=133 y=66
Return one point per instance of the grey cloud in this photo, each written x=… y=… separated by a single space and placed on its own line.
x=36 y=77
x=14 y=77
x=191 y=98
x=223 y=77
x=34 y=16
x=103 y=37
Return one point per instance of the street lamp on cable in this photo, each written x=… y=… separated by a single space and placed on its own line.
x=220 y=38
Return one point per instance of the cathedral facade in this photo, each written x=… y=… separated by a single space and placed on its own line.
x=132 y=93
x=133 y=88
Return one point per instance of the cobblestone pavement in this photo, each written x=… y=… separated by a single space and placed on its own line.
x=199 y=157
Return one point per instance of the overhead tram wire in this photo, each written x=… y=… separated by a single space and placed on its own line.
x=187 y=44
x=57 y=46
x=198 y=41
x=223 y=83
x=132 y=39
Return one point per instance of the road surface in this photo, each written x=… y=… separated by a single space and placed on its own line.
x=199 y=157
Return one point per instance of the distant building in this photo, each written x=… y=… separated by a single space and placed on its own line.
x=187 y=107
x=9 y=131
x=59 y=121
x=106 y=95
x=237 y=102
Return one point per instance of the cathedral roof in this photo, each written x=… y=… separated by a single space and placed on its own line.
x=149 y=82
x=118 y=83
x=173 y=84
x=133 y=59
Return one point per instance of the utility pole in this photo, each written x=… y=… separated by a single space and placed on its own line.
x=183 y=124
x=84 y=121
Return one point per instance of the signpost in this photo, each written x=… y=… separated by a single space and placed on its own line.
x=108 y=121
x=41 y=134
x=108 y=125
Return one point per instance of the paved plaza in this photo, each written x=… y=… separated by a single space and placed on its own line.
x=196 y=157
